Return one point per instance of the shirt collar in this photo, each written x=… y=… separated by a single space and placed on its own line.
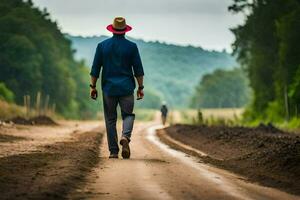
x=118 y=36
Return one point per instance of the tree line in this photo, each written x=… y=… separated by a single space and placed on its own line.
x=267 y=46
x=222 y=89
x=37 y=57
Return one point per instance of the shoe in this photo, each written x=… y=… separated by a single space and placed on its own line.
x=125 y=148
x=113 y=155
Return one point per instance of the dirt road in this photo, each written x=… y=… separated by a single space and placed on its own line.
x=156 y=171
x=47 y=162
x=29 y=139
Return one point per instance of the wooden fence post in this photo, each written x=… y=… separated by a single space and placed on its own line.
x=25 y=105
x=286 y=102
x=46 y=104
x=38 y=103
x=28 y=105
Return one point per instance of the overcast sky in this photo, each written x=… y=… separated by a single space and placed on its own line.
x=202 y=23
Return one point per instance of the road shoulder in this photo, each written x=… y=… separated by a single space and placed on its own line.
x=269 y=158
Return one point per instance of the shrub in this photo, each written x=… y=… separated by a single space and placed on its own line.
x=6 y=94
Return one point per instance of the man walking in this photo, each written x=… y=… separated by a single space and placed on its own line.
x=164 y=112
x=120 y=62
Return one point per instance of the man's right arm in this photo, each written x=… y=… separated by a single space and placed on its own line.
x=95 y=71
x=97 y=63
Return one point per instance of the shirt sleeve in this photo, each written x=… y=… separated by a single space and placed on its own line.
x=137 y=63
x=97 y=63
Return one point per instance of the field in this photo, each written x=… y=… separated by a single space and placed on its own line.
x=209 y=116
x=145 y=114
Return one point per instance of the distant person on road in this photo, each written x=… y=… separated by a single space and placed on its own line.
x=120 y=62
x=164 y=112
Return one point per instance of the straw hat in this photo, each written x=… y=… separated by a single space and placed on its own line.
x=119 y=26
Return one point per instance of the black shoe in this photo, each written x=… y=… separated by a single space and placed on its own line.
x=113 y=155
x=125 y=148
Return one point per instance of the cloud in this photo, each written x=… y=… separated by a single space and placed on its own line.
x=203 y=23
x=213 y=7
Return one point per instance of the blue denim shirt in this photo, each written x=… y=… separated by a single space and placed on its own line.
x=120 y=61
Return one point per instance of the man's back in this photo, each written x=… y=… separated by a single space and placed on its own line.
x=121 y=61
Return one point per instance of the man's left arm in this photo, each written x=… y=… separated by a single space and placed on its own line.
x=138 y=72
x=140 y=91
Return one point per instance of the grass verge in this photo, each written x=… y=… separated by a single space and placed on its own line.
x=8 y=110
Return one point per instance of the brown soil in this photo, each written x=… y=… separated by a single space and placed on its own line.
x=43 y=120
x=39 y=120
x=52 y=172
x=19 y=120
x=263 y=154
x=10 y=138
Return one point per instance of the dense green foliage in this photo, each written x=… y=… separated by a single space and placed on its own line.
x=268 y=47
x=36 y=56
x=6 y=94
x=222 y=89
x=171 y=72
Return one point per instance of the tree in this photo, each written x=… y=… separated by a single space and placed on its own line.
x=267 y=45
x=222 y=89
x=6 y=94
x=36 y=57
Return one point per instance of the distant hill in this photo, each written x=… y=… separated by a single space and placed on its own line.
x=171 y=71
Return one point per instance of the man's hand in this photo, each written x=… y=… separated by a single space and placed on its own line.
x=93 y=93
x=140 y=94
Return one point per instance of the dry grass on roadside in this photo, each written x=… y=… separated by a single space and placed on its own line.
x=141 y=114
x=211 y=116
x=8 y=111
x=145 y=114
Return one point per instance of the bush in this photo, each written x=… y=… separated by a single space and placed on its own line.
x=222 y=89
x=6 y=94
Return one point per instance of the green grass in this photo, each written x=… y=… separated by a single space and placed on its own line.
x=233 y=117
x=293 y=125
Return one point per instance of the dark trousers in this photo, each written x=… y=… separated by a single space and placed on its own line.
x=110 y=104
